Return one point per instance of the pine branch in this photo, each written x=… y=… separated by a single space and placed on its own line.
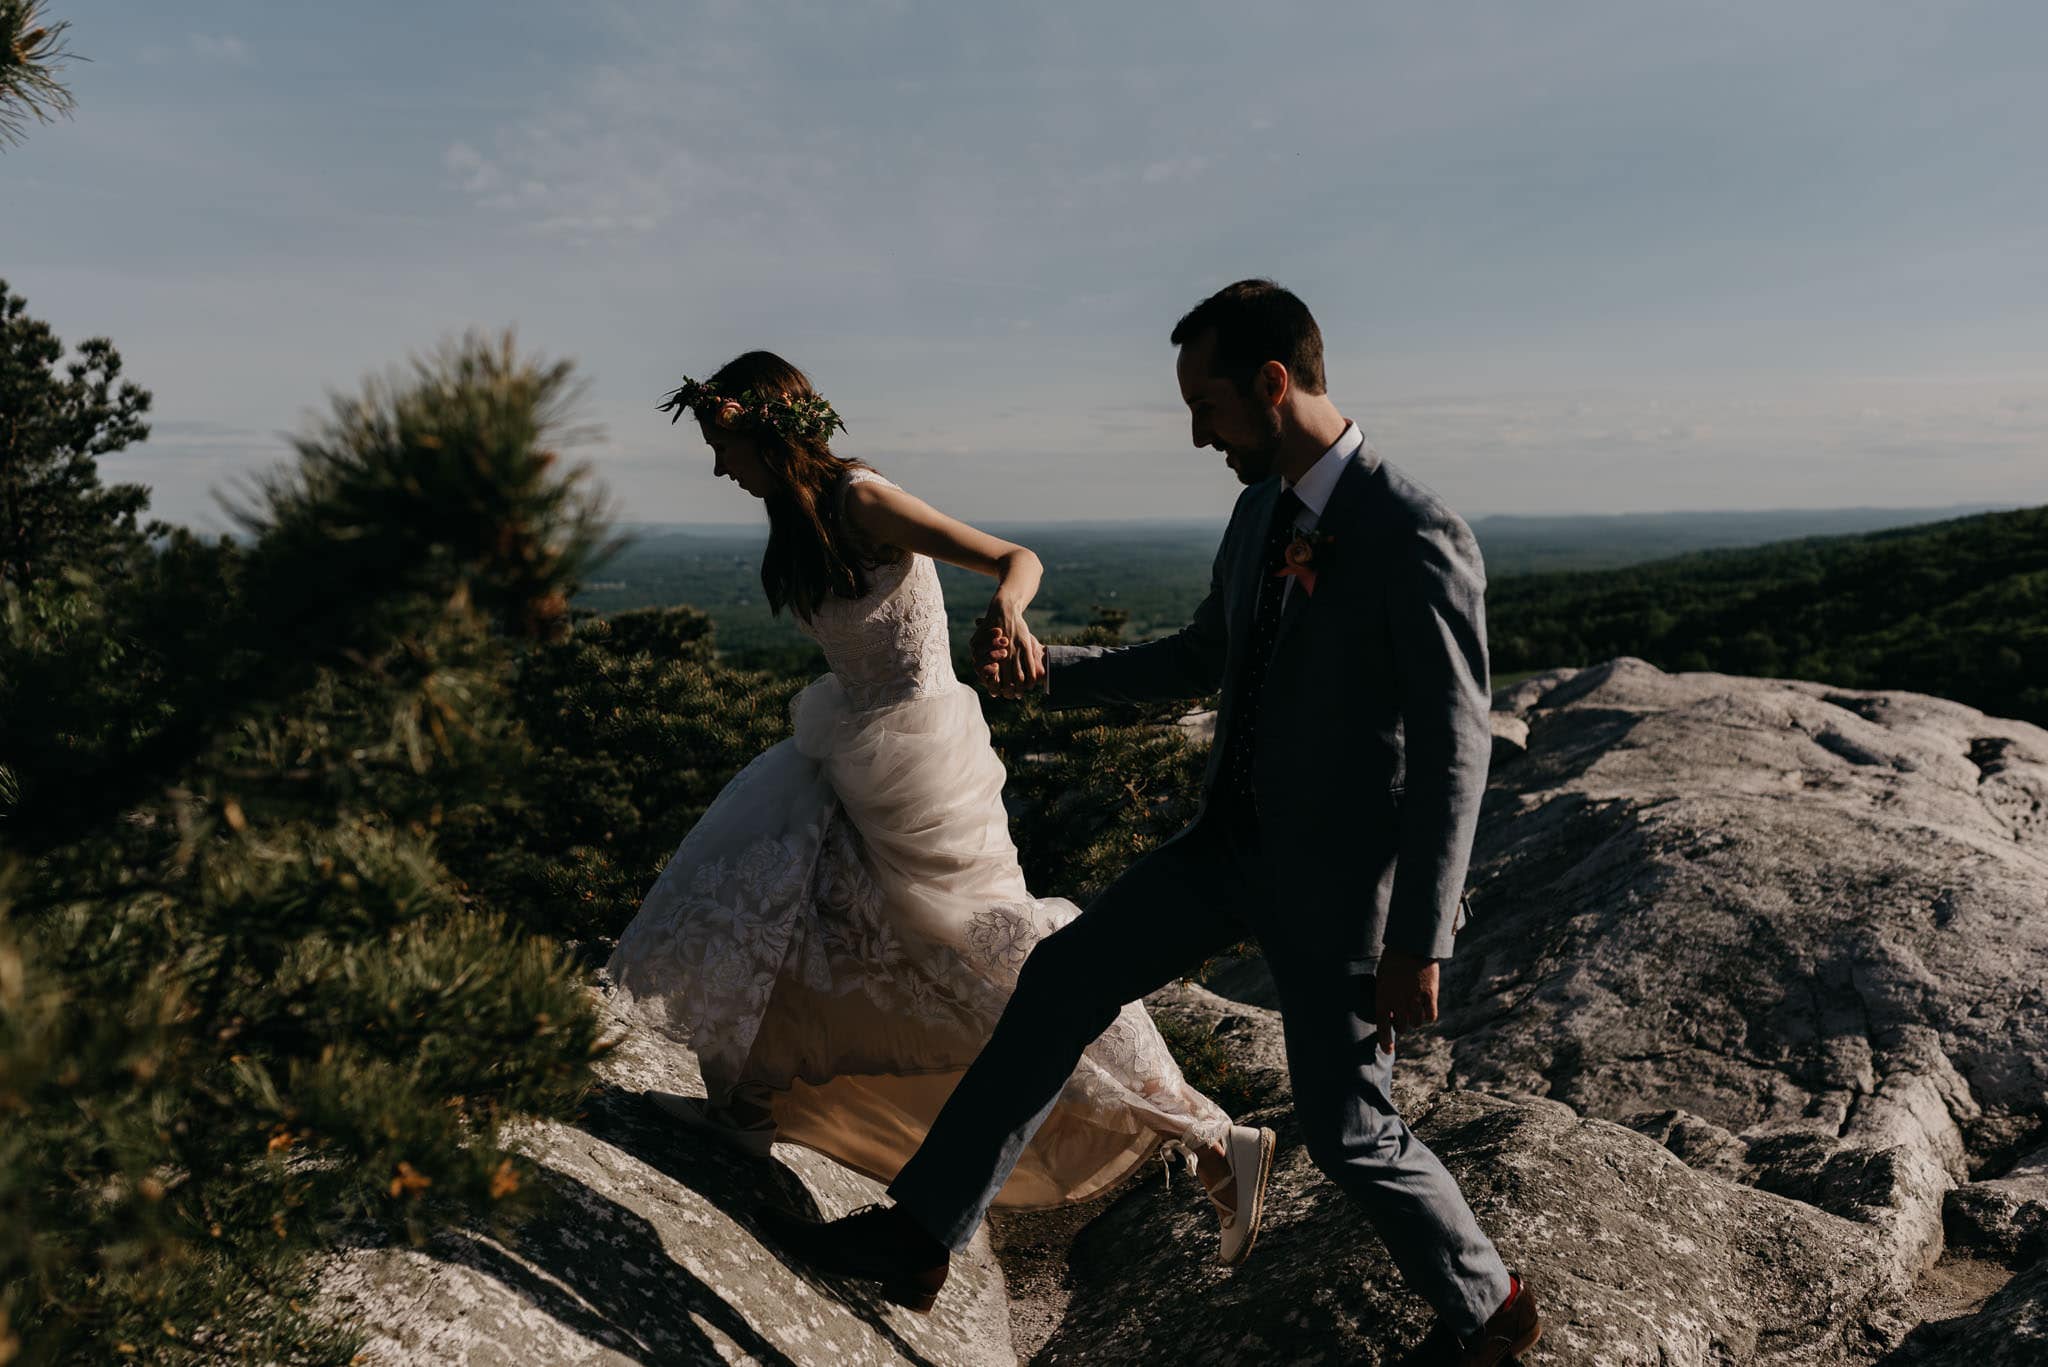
x=31 y=53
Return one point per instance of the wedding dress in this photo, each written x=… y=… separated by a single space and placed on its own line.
x=839 y=933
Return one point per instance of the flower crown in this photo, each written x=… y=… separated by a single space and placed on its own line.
x=792 y=417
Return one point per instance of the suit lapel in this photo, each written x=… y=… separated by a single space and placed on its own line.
x=1336 y=522
x=1244 y=586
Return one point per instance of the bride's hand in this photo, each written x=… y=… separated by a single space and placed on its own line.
x=1023 y=664
x=1024 y=671
x=990 y=649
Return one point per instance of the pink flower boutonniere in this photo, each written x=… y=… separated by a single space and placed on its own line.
x=1301 y=558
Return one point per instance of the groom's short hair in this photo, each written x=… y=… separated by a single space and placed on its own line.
x=1256 y=321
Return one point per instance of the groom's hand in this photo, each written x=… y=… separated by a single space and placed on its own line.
x=1405 y=994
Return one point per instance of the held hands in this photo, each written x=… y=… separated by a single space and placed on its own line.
x=1008 y=660
x=1405 y=995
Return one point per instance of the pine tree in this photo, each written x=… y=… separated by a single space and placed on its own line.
x=31 y=52
x=635 y=727
x=54 y=511
x=245 y=1008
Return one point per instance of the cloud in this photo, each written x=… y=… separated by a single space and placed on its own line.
x=1842 y=443
x=1176 y=168
x=1540 y=239
x=473 y=174
x=223 y=49
x=190 y=464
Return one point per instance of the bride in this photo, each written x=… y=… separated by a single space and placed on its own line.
x=838 y=935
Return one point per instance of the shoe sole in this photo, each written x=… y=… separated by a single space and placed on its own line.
x=910 y=1296
x=792 y=1236
x=1268 y=1142
x=1520 y=1346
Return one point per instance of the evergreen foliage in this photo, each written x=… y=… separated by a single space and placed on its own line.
x=246 y=1009
x=53 y=510
x=31 y=53
x=635 y=728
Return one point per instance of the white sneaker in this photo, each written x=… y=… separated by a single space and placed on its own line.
x=1250 y=1155
x=1251 y=1165
x=697 y=1113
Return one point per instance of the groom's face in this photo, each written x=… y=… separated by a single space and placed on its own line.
x=1223 y=416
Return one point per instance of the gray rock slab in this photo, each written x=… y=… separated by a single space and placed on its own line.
x=1811 y=921
x=2006 y=1216
x=648 y=1254
x=1635 y=1257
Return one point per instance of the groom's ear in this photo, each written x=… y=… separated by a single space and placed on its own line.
x=1273 y=384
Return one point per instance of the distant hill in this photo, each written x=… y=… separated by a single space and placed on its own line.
x=1157 y=571
x=1538 y=545
x=1958 y=608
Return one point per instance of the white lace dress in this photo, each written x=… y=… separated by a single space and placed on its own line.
x=839 y=933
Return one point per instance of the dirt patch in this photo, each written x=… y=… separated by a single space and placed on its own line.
x=1957 y=1285
x=1032 y=1248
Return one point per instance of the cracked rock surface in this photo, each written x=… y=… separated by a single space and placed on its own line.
x=1798 y=934
x=2005 y=1216
x=1636 y=1257
x=649 y=1255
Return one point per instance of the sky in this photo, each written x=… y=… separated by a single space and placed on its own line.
x=1569 y=257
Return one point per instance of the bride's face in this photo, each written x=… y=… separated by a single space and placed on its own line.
x=733 y=457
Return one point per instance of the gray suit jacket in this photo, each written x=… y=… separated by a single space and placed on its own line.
x=1373 y=732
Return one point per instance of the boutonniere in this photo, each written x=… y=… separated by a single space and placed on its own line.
x=1301 y=558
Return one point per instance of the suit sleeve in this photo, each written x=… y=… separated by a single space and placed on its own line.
x=1187 y=664
x=1437 y=614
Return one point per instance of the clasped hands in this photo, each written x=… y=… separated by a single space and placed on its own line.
x=1008 y=660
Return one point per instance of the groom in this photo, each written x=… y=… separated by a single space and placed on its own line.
x=1345 y=627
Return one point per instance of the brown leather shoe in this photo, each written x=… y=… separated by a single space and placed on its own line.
x=1513 y=1329
x=877 y=1244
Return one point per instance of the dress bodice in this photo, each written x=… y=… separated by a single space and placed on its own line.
x=889 y=644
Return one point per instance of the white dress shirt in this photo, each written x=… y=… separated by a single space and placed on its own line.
x=1321 y=481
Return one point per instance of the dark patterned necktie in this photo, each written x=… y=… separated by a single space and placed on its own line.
x=1251 y=680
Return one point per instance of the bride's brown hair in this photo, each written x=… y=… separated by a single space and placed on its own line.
x=811 y=554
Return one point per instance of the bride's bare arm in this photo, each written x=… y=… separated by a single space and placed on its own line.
x=888 y=516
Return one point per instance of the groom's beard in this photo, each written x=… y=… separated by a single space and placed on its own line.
x=1254 y=463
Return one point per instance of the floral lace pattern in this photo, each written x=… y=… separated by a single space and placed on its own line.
x=850 y=909
x=889 y=645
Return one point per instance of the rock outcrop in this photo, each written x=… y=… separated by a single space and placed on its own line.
x=1638 y=1258
x=2007 y=1216
x=1798 y=934
x=1749 y=1026
x=648 y=1254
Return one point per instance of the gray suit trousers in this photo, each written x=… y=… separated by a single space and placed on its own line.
x=1187 y=901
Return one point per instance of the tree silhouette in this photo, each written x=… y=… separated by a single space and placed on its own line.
x=54 y=422
x=31 y=52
